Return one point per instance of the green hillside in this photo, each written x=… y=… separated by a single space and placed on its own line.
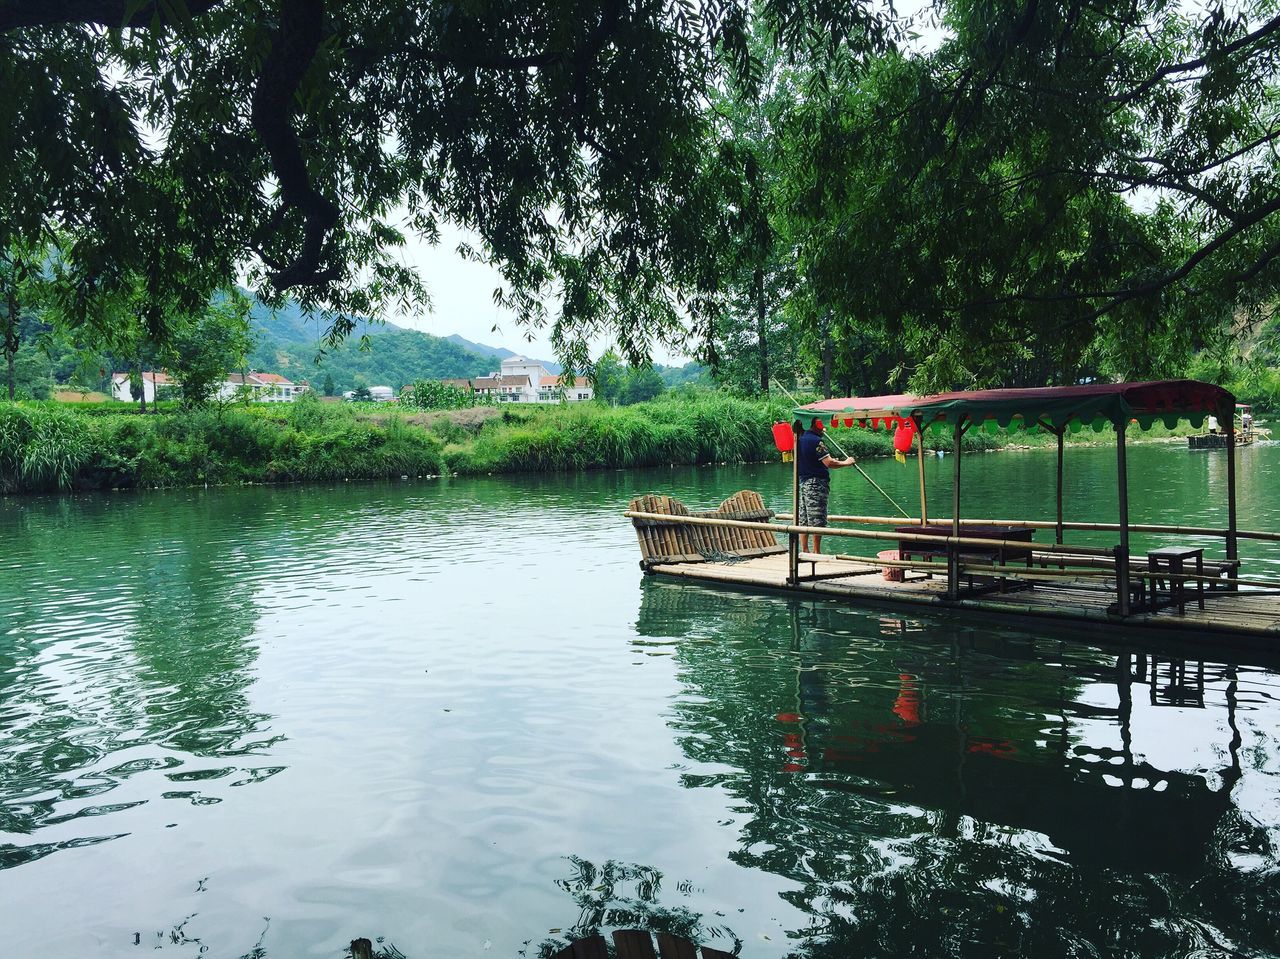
x=290 y=324
x=393 y=358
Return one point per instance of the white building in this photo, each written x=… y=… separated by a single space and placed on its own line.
x=261 y=387
x=120 y=386
x=378 y=394
x=526 y=381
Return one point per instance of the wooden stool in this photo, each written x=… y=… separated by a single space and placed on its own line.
x=1171 y=561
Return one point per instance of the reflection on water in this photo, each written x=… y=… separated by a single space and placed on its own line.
x=123 y=678
x=454 y=715
x=954 y=789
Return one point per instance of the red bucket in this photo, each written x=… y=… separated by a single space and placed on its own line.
x=892 y=574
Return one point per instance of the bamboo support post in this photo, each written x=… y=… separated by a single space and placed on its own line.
x=1232 y=547
x=1122 y=551
x=953 y=555
x=793 y=539
x=924 y=502
x=1061 y=441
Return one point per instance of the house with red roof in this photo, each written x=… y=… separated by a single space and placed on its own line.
x=261 y=387
x=120 y=389
x=527 y=381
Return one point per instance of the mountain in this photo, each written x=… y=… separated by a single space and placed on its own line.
x=290 y=325
x=289 y=343
x=551 y=367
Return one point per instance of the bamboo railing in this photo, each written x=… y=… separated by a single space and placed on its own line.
x=1050 y=524
x=1075 y=562
x=830 y=531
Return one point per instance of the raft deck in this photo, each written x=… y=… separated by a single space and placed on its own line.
x=1238 y=614
x=741 y=544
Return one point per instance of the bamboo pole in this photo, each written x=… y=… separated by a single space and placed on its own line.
x=938 y=538
x=1122 y=556
x=890 y=563
x=924 y=502
x=1232 y=548
x=1041 y=574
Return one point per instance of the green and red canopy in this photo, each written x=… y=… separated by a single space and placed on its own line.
x=1058 y=407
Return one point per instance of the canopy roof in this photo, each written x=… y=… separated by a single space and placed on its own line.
x=1094 y=404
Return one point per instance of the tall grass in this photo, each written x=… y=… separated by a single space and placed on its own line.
x=46 y=447
x=41 y=447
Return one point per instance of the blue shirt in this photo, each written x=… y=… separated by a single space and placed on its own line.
x=811 y=451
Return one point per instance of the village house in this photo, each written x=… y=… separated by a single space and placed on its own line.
x=527 y=381
x=261 y=387
x=120 y=385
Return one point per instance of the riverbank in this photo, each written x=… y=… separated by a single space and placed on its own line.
x=46 y=447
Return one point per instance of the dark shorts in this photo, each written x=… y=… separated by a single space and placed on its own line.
x=814 y=492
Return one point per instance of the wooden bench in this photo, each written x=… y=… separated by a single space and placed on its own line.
x=663 y=542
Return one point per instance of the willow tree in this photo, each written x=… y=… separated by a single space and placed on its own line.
x=299 y=140
x=1057 y=190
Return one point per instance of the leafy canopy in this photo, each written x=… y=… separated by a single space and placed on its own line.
x=298 y=140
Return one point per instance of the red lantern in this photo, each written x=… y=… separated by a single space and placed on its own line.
x=904 y=435
x=783 y=438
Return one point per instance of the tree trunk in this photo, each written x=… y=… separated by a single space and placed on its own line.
x=761 y=336
x=11 y=339
x=827 y=360
x=142 y=386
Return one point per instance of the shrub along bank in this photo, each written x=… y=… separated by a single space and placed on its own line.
x=47 y=446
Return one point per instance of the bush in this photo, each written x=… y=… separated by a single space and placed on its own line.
x=434 y=395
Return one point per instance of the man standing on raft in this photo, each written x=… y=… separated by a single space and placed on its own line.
x=815 y=464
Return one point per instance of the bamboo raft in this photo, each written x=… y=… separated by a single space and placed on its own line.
x=995 y=567
x=1215 y=441
x=742 y=544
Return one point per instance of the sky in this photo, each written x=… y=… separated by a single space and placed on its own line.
x=462 y=301
x=462 y=297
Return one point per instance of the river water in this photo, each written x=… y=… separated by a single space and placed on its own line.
x=453 y=715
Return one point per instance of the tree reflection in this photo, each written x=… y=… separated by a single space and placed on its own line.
x=134 y=660
x=943 y=790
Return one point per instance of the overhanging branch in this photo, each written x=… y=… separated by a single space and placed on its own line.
x=293 y=47
x=137 y=14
